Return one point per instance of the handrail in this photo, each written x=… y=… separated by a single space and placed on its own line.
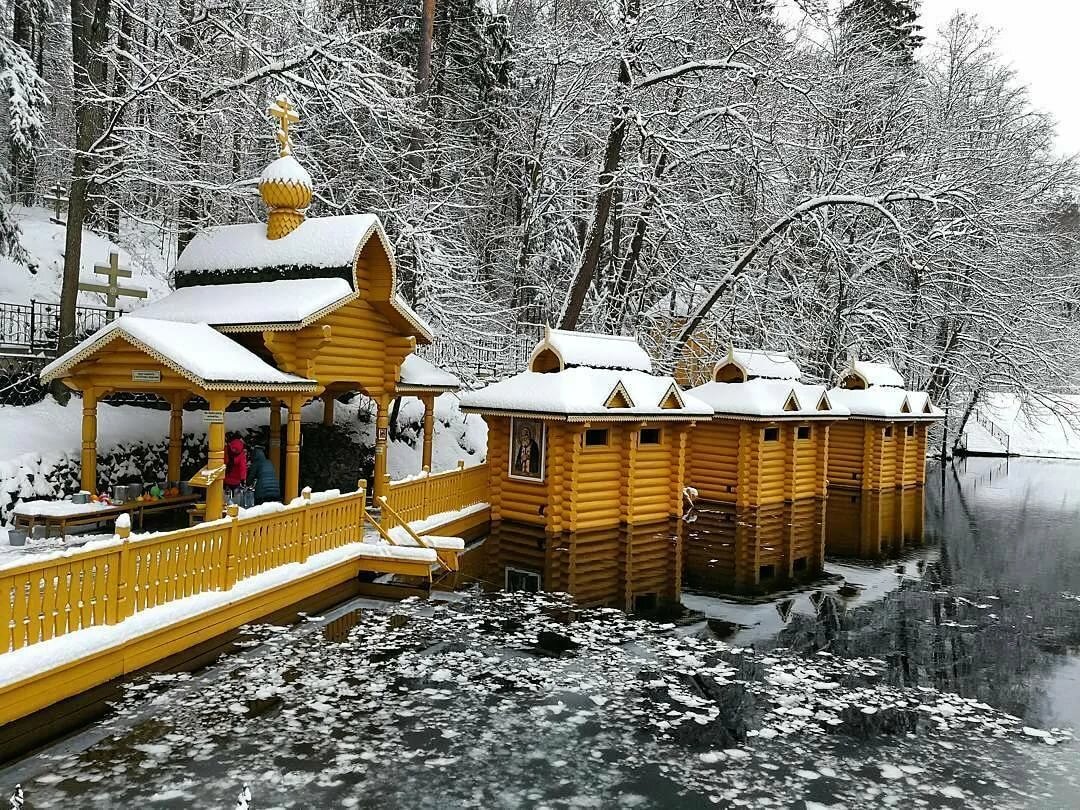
x=403 y=524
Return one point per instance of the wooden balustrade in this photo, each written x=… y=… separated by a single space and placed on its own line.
x=434 y=493
x=40 y=600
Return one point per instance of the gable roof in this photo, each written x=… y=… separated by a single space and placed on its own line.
x=418 y=374
x=328 y=243
x=593 y=350
x=761 y=398
x=880 y=374
x=879 y=402
x=196 y=351
x=581 y=394
x=761 y=363
x=316 y=242
x=283 y=303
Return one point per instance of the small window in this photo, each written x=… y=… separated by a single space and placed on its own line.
x=767 y=572
x=596 y=437
x=909 y=430
x=519 y=580
x=772 y=434
x=804 y=432
x=649 y=436
x=645 y=603
x=888 y=432
x=799 y=564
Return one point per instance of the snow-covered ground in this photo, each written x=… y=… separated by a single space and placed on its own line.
x=1033 y=431
x=140 y=252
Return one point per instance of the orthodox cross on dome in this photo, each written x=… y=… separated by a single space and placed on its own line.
x=112 y=290
x=286 y=114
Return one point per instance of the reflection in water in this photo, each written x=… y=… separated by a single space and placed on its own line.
x=633 y=568
x=754 y=551
x=873 y=525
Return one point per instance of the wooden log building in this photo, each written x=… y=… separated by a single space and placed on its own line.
x=587 y=437
x=291 y=309
x=882 y=444
x=768 y=440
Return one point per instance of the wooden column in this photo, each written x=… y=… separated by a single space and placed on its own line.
x=382 y=429
x=274 y=449
x=89 y=440
x=821 y=449
x=176 y=434
x=292 y=450
x=215 y=457
x=429 y=428
x=328 y=409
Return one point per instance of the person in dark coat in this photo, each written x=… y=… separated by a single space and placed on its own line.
x=267 y=485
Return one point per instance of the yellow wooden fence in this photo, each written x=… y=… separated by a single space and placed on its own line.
x=434 y=493
x=44 y=599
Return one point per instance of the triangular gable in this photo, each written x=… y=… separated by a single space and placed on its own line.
x=927 y=407
x=792 y=402
x=619 y=397
x=905 y=406
x=824 y=404
x=672 y=399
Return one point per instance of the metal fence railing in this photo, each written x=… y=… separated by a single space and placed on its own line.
x=33 y=328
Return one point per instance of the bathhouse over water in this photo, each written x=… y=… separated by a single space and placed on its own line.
x=883 y=443
x=587 y=437
x=769 y=437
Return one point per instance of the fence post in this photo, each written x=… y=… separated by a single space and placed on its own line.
x=459 y=502
x=232 y=545
x=33 y=308
x=305 y=526
x=425 y=492
x=121 y=603
x=361 y=488
x=384 y=518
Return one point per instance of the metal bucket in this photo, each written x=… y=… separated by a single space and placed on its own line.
x=39 y=531
x=17 y=537
x=119 y=493
x=80 y=497
x=134 y=491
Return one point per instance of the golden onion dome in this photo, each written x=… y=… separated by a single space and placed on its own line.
x=284 y=185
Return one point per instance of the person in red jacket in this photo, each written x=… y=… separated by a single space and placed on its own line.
x=235 y=469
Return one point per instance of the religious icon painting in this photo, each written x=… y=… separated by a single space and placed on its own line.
x=527 y=446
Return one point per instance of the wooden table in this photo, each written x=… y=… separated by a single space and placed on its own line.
x=92 y=514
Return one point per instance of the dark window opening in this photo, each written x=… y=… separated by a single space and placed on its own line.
x=804 y=432
x=649 y=436
x=888 y=432
x=909 y=430
x=799 y=564
x=518 y=580
x=772 y=434
x=645 y=603
x=767 y=572
x=596 y=437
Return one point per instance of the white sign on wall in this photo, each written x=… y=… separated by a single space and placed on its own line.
x=138 y=375
x=214 y=417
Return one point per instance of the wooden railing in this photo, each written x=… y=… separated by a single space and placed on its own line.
x=40 y=600
x=433 y=493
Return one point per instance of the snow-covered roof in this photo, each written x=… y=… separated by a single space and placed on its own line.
x=881 y=374
x=593 y=350
x=316 y=242
x=761 y=363
x=293 y=302
x=879 y=402
x=580 y=393
x=773 y=399
x=194 y=350
x=319 y=242
x=418 y=374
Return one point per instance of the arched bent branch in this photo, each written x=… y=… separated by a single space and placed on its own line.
x=782 y=224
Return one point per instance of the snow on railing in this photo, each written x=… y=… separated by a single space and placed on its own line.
x=421 y=496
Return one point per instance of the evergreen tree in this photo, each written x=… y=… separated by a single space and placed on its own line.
x=892 y=25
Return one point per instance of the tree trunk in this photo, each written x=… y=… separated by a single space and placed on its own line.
x=423 y=61
x=23 y=165
x=188 y=214
x=89 y=32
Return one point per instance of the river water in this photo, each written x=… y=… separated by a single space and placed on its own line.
x=915 y=648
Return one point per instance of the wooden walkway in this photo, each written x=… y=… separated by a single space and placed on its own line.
x=79 y=618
